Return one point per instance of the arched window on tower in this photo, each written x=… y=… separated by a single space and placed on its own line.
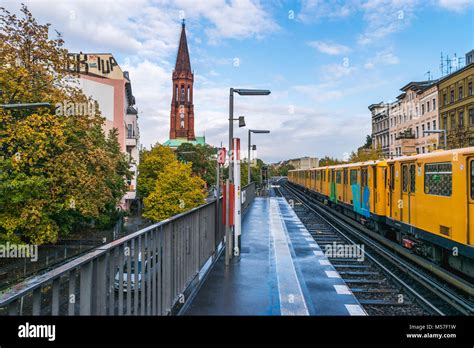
x=182 y=93
x=189 y=96
x=176 y=93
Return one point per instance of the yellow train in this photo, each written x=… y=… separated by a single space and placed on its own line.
x=425 y=201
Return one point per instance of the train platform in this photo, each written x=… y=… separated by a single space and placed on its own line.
x=282 y=271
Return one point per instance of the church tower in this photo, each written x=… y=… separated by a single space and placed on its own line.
x=182 y=107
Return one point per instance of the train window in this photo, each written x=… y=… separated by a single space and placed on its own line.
x=375 y=177
x=472 y=179
x=392 y=177
x=363 y=177
x=412 y=178
x=345 y=177
x=338 y=177
x=353 y=177
x=318 y=175
x=438 y=179
x=324 y=175
x=405 y=178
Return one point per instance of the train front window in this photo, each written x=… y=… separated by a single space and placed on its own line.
x=439 y=179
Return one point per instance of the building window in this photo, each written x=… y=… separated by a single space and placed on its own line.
x=176 y=93
x=451 y=96
x=434 y=104
x=181 y=123
x=434 y=124
x=428 y=106
x=189 y=95
x=471 y=117
x=438 y=179
x=460 y=93
x=428 y=125
x=182 y=93
x=422 y=109
x=445 y=99
x=423 y=130
x=417 y=150
x=417 y=130
x=129 y=131
x=453 y=121
x=469 y=89
x=461 y=119
x=422 y=149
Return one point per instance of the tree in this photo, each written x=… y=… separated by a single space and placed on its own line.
x=367 y=152
x=202 y=158
x=368 y=142
x=176 y=190
x=329 y=161
x=152 y=163
x=56 y=172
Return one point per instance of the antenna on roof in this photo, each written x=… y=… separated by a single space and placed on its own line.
x=441 y=66
x=429 y=75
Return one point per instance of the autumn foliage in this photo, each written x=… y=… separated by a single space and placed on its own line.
x=57 y=172
x=167 y=186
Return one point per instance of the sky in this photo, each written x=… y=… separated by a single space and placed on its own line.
x=325 y=62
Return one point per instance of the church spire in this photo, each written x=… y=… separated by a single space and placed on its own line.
x=183 y=63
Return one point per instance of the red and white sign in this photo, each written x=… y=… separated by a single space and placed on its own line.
x=221 y=156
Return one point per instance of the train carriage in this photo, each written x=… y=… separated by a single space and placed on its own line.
x=430 y=200
x=425 y=202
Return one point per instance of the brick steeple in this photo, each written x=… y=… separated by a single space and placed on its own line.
x=182 y=108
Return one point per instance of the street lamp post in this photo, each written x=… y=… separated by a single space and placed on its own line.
x=24 y=105
x=256 y=131
x=242 y=92
x=438 y=131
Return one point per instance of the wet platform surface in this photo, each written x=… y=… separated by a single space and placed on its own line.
x=282 y=271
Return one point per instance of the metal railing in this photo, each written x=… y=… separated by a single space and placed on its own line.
x=144 y=273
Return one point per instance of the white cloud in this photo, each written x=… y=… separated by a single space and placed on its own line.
x=236 y=19
x=333 y=72
x=314 y=10
x=382 y=58
x=385 y=17
x=455 y=5
x=330 y=48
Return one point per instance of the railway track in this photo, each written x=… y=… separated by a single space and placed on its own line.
x=384 y=283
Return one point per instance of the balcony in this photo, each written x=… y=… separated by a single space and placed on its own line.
x=407 y=134
x=131 y=141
